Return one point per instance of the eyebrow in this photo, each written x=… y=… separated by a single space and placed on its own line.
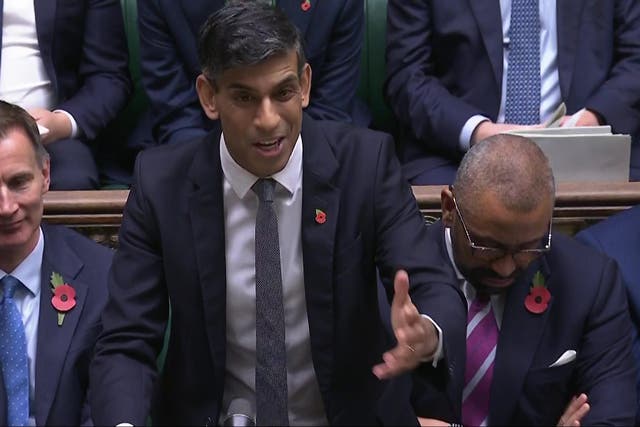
x=291 y=78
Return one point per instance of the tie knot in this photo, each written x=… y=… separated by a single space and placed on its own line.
x=479 y=303
x=264 y=188
x=9 y=285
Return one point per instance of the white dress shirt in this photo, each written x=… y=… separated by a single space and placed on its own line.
x=550 y=95
x=240 y=207
x=23 y=78
x=27 y=299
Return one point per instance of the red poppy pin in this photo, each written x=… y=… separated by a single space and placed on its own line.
x=539 y=296
x=305 y=5
x=321 y=217
x=64 y=296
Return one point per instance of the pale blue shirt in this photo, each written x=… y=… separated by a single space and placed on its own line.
x=550 y=95
x=27 y=299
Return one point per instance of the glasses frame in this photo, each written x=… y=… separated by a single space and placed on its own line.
x=491 y=254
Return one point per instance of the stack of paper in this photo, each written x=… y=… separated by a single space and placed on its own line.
x=588 y=153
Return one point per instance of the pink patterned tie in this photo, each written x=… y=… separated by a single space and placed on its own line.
x=482 y=337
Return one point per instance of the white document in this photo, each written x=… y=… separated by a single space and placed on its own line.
x=585 y=153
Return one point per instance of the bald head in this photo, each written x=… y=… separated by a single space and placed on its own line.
x=512 y=167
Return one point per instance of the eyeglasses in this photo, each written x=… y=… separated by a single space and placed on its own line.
x=488 y=254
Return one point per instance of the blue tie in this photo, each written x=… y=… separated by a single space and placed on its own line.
x=13 y=355
x=523 y=75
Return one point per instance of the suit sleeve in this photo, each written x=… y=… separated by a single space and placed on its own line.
x=123 y=370
x=403 y=243
x=605 y=366
x=176 y=111
x=618 y=99
x=334 y=85
x=103 y=72
x=414 y=92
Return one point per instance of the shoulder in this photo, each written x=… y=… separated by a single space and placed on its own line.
x=90 y=252
x=165 y=163
x=615 y=227
x=345 y=138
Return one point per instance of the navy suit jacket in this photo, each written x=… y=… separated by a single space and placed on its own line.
x=332 y=31
x=587 y=313
x=64 y=352
x=619 y=238
x=84 y=50
x=444 y=65
x=172 y=249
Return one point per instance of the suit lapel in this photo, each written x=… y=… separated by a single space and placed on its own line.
x=206 y=212
x=519 y=336
x=569 y=15
x=487 y=14
x=319 y=166
x=54 y=340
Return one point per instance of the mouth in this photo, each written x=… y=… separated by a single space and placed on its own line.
x=269 y=146
x=7 y=227
x=498 y=282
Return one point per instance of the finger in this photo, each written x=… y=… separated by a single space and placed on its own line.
x=575 y=410
x=400 y=288
x=395 y=362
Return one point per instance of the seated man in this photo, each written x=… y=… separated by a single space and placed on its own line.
x=459 y=71
x=272 y=228
x=54 y=289
x=66 y=63
x=333 y=35
x=548 y=324
x=619 y=238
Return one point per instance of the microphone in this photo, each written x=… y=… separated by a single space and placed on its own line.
x=238 y=414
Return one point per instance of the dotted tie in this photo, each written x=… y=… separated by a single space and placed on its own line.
x=271 y=356
x=523 y=75
x=13 y=355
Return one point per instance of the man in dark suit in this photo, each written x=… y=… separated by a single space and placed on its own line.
x=192 y=238
x=554 y=330
x=619 y=238
x=66 y=63
x=448 y=69
x=61 y=291
x=333 y=35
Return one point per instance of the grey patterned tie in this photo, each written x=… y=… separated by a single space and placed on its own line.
x=271 y=357
x=523 y=75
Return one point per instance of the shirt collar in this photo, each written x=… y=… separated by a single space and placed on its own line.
x=29 y=270
x=242 y=180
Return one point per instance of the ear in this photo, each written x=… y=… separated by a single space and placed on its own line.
x=46 y=173
x=207 y=95
x=448 y=207
x=305 y=83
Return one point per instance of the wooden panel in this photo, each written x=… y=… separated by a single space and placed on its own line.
x=99 y=213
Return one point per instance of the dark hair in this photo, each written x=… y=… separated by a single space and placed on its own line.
x=13 y=117
x=244 y=33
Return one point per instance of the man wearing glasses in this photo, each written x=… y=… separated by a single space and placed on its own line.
x=548 y=329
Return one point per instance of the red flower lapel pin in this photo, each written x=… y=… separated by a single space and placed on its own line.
x=64 y=296
x=321 y=217
x=305 y=5
x=539 y=296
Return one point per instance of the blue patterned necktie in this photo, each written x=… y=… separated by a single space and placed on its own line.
x=523 y=75
x=271 y=356
x=13 y=355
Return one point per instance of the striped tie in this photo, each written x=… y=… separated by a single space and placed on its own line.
x=482 y=337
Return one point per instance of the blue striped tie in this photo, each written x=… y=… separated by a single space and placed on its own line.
x=13 y=355
x=523 y=75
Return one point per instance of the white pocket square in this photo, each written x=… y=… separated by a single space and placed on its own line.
x=567 y=356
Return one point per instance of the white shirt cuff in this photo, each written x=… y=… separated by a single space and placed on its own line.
x=437 y=356
x=467 y=131
x=74 y=125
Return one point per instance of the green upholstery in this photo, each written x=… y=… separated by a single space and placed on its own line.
x=372 y=66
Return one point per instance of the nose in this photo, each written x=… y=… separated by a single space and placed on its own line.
x=267 y=116
x=8 y=205
x=504 y=266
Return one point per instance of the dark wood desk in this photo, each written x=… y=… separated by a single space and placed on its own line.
x=99 y=213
